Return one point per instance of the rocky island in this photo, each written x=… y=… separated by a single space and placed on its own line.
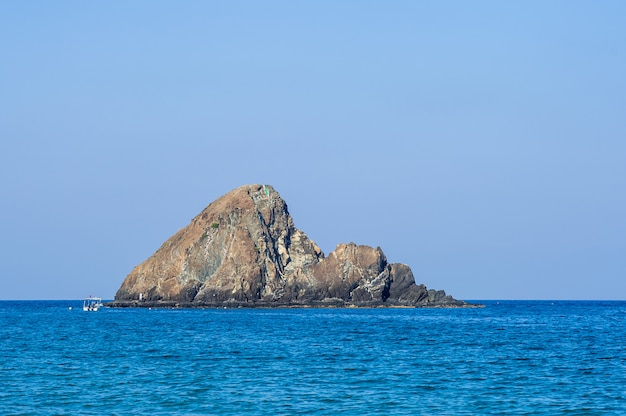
x=243 y=250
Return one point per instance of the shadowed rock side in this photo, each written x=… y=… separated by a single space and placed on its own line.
x=243 y=250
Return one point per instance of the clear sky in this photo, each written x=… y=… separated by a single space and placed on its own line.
x=483 y=143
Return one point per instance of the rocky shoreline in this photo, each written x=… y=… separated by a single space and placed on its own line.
x=326 y=303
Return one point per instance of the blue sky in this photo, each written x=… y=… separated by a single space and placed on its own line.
x=482 y=143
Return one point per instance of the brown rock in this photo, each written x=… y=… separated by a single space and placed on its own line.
x=243 y=250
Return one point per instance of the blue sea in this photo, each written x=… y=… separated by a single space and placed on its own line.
x=515 y=357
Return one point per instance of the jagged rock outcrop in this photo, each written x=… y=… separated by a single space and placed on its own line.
x=244 y=250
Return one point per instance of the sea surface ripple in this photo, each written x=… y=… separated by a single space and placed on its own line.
x=516 y=357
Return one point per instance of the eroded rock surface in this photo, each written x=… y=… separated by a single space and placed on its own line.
x=244 y=250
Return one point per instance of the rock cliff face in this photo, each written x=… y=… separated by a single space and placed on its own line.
x=244 y=250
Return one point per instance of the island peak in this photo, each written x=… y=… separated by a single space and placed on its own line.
x=244 y=250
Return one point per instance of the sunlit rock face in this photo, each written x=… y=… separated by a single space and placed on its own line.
x=244 y=250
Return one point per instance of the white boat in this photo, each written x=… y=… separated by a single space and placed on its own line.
x=92 y=304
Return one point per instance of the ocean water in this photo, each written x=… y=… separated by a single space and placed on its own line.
x=516 y=357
